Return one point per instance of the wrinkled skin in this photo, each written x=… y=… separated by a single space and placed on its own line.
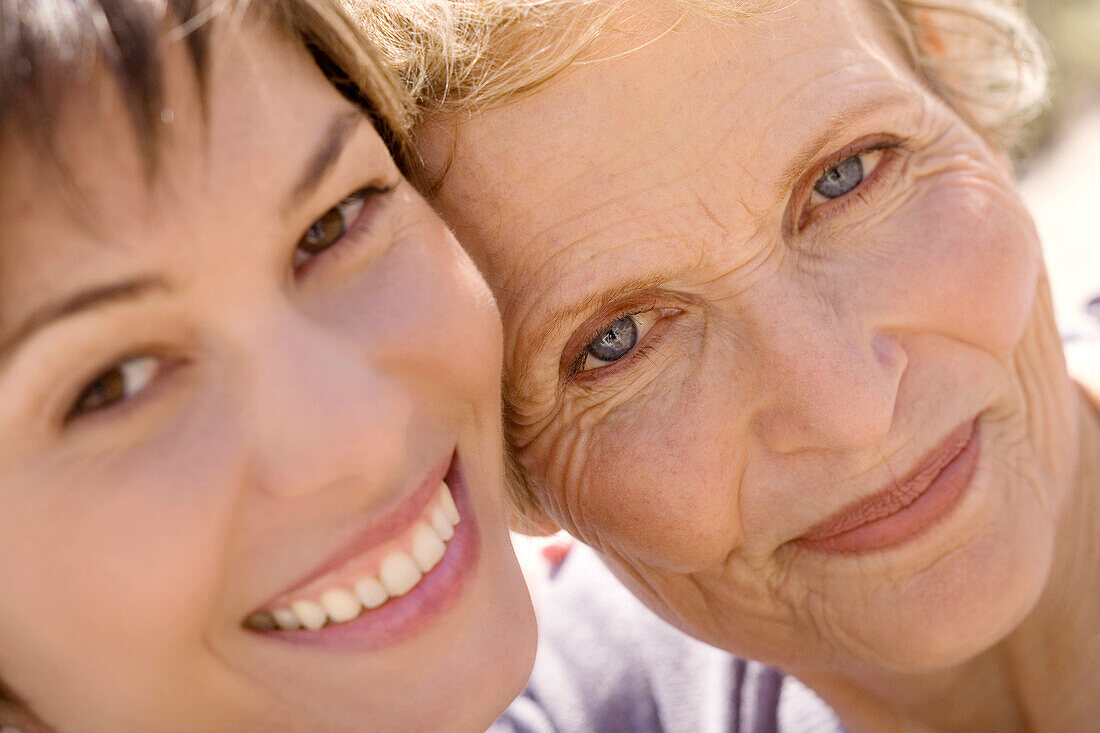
x=794 y=355
x=289 y=407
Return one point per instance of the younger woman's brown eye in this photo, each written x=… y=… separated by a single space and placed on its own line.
x=122 y=381
x=334 y=224
x=325 y=232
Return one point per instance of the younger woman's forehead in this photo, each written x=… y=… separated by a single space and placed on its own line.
x=54 y=52
x=235 y=168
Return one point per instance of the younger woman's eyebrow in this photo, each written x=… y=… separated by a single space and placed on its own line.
x=324 y=158
x=78 y=302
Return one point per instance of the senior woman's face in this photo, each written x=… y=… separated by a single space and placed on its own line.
x=777 y=343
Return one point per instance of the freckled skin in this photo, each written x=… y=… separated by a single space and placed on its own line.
x=803 y=367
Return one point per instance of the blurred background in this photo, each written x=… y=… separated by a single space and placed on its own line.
x=1060 y=170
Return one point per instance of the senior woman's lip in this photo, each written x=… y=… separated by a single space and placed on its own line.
x=907 y=507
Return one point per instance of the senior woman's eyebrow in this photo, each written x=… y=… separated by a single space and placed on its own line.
x=559 y=324
x=840 y=123
x=321 y=162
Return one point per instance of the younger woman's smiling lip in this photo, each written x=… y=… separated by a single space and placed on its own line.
x=407 y=612
x=907 y=507
x=384 y=527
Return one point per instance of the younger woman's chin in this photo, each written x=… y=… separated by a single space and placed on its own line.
x=458 y=675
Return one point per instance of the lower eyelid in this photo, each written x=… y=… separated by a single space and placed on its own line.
x=887 y=159
x=646 y=340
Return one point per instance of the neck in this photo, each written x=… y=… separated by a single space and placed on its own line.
x=1044 y=676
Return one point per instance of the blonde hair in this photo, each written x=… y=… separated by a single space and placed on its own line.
x=984 y=57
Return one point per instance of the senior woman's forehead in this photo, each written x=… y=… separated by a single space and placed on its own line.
x=579 y=166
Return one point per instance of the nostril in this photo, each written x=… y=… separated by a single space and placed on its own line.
x=888 y=352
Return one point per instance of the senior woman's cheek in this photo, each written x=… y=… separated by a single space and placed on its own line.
x=967 y=256
x=652 y=476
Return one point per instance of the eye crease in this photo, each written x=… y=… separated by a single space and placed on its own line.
x=327 y=231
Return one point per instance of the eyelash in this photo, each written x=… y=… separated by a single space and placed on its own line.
x=167 y=364
x=645 y=346
x=360 y=225
x=803 y=215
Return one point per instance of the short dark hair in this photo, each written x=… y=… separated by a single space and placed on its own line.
x=47 y=48
x=50 y=47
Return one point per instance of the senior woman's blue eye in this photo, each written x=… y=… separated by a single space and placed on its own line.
x=845 y=176
x=617 y=340
x=334 y=224
x=121 y=382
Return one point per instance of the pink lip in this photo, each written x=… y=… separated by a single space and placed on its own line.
x=405 y=616
x=906 y=508
x=383 y=528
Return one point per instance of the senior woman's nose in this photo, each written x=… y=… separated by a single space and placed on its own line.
x=326 y=414
x=826 y=380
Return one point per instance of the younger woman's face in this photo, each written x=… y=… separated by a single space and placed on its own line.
x=230 y=399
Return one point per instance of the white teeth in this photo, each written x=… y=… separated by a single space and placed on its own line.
x=427 y=548
x=371 y=593
x=310 y=614
x=340 y=605
x=285 y=618
x=447 y=503
x=399 y=573
x=441 y=524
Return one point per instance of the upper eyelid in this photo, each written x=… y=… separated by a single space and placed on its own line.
x=580 y=340
x=797 y=217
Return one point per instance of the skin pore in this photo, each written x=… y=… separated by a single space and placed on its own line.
x=213 y=382
x=751 y=274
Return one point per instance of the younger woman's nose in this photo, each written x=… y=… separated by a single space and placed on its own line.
x=324 y=414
